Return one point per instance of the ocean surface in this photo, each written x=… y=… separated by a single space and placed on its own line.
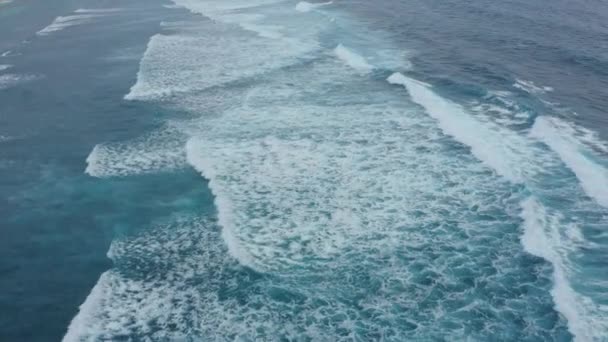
x=275 y=170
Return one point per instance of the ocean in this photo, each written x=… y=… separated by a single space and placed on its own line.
x=275 y=170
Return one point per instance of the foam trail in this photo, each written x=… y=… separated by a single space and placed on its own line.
x=304 y=6
x=11 y=80
x=5 y=67
x=502 y=150
x=63 y=22
x=542 y=238
x=592 y=176
x=530 y=87
x=98 y=10
x=213 y=8
x=352 y=59
x=237 y=12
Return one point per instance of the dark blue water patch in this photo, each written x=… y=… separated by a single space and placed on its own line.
x=58 y=229
x=491 y=43
x=56 y=222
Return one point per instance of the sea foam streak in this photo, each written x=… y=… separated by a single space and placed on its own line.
x=530 y=87
x=502 y=150
x=99 y=10
x=63 y=22
x=352 y=59
x=304 y=6
x=79 y=17
x=592 y=175
x=231 y=12
x=11 y=80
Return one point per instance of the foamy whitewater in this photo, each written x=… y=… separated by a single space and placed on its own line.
x=356 y=198
x=78 y=17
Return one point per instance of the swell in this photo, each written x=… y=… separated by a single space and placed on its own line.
x=270 y=151
x=515 y=157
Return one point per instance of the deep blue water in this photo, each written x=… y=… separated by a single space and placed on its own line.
x=270 y=170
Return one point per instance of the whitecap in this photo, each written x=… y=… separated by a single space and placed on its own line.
x=352 y=59
x=530 y=87
x=304 y=6
x=63 y=22
x=592 y=175
x=501 y=149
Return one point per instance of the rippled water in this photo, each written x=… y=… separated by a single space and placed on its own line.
x=354 y=171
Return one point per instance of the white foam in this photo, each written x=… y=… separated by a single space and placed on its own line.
x=310 y=186
x=510 y=154
x=304 y=6
x=217 y=8
x=544 y=237
x=194 y=59
x=266 y=162
x=122 y=302
x=327 y=188
x=6 y=53
x=99 y=10
x=592 y=175
x=501 y=108
x=5 y=67
x=352 y=59
x=5 y=2
x=161 y=151
x=11 y=80
x=63 y=22
x=530 y=87
x=222 y=202
x=503 y=150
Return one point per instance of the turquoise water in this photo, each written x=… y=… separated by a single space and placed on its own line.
x=279 y=171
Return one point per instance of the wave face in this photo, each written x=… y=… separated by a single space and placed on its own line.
x=348 y=207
